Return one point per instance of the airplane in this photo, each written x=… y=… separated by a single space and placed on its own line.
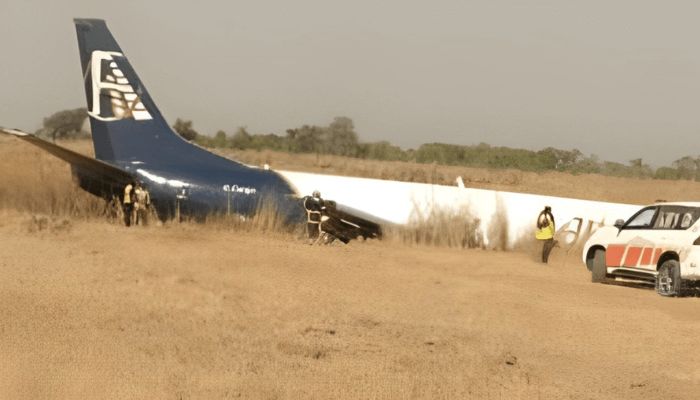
x=132 y=141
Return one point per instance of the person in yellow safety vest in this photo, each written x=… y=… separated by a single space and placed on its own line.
x=545 y=232
x=128 y=202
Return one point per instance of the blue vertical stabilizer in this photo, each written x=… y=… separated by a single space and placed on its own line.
x=126 y=124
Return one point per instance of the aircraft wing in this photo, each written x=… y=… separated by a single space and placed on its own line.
x=95 y=176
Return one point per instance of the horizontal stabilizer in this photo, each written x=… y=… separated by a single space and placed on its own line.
x=102 y=172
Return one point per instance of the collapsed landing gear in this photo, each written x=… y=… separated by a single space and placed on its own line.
x=324 y=238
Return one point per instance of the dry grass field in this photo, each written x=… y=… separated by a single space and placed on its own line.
x=90 y=309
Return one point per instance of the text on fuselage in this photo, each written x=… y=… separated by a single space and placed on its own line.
x=239 y=189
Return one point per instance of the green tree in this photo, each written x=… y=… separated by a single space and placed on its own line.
x=639 y=169
x=64 y=124
x=184 y=129
x=381 y=151
x=686 y=167
x=307 y=139
x=587 y=165
x=269 y=141
x=666 y=173
x=220 y=139
x=241 y=139
x=551 y=158
x=340 y=137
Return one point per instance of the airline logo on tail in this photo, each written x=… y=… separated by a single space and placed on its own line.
x=113 y=97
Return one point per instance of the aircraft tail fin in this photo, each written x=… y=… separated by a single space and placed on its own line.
x=125 y=122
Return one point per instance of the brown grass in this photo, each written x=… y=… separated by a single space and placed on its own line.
x=440 y=228
x=36 y=182
x=266 y=219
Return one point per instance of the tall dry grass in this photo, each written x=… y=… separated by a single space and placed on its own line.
x=267 y=219
x=36 y=182
x=439 y=228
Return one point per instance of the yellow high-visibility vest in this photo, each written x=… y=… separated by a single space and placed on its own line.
x=127 y=194
x=546 y=232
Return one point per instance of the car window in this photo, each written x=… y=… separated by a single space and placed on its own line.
x=676 y=217
x=642 y=219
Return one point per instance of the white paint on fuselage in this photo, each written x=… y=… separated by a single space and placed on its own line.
x=161 y=180
x=399 y=202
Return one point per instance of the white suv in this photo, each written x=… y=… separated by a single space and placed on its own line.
x=660 y=243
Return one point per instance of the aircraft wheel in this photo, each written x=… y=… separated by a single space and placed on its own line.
x=599 y=272
x=668 y=280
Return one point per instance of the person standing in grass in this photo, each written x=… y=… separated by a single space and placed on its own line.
x=545 y=232
x=314 y=206
x=128 y=202
x=143 y=202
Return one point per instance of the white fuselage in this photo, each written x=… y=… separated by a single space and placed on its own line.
x=400 y=202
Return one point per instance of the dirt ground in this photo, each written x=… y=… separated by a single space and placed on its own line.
x=90 y=309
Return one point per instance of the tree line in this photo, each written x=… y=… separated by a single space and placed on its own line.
x=340 y=138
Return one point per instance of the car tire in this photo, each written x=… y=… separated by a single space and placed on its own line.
x=599 y=272
x=668 y=279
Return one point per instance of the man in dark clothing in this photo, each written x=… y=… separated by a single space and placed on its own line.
x=314 y=207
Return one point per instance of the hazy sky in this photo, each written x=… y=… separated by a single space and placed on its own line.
x=620 y=79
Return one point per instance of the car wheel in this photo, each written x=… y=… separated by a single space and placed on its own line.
x=668 y=279
x=599 y=272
